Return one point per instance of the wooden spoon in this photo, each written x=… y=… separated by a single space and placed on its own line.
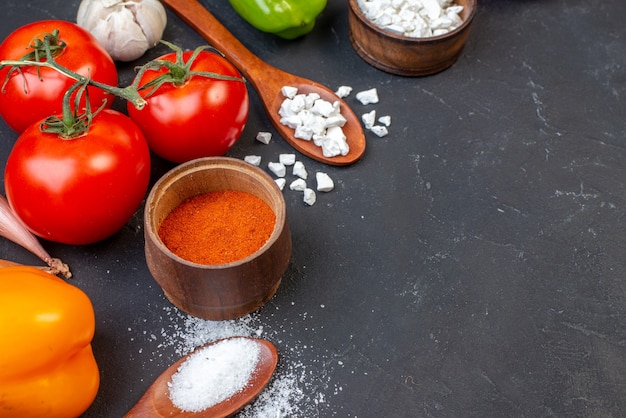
x=156 y=402
x=268 y=81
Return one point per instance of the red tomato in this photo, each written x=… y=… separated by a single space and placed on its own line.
x=201 y=118
x=82 y=190
x=36 y=93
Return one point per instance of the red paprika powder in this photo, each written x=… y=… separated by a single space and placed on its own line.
x=218 y=227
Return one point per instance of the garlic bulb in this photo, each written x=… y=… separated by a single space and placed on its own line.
x=125 y=28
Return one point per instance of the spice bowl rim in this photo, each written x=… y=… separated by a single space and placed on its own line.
x=195 y=165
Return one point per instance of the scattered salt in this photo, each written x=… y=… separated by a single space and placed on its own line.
x=379 y=130
x=264 y=137
x=213 y=374
x=368 y=96
x=280 y=182
x=369 y=119
x=299 y=170
x=277 y=168
x=298 y=185
x=309 y=197
x=324 y=182
x=287 y=159
x=343 y=91
x=253 y=159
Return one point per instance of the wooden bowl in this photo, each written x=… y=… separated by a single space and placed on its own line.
x=406 y=56
x=217 y=291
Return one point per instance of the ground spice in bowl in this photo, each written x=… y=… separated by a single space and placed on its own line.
x=218 y=227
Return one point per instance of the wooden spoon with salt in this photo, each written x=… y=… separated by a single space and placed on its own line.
x=268 y=81
x=156 y=401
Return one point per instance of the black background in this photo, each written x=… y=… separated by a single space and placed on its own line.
x=471 y=264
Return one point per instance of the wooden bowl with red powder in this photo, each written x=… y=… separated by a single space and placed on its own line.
x=217 y=238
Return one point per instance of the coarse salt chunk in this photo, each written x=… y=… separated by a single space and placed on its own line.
x=277 y=168
x=309 y=196
x=368 y=96
x=299 y=170
x=253 y=159
x=343 y=91
x=287 y=159
x=369 y=119
x=324 y=182
x=264 y=137
x=379 y=130
x=313 y=118
x=280 y=182
x=289 y=91
x=298 y=185
x=385 y=120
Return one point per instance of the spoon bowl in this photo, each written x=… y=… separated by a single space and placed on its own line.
x=268 y=82
x=156 y=403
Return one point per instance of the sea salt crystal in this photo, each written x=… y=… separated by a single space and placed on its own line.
x=369 y=119
x=343 y=91
x=368 y=96
x=379 y=130
x=253 y=159
x=385 y=120
x=287 y=159
x=309 y=197
x=280 y=182
x=213 y=374
x=289 y=91
x=324 y=182
x=264 y=137
x=298 y=185
x=277 y=168
x=299 y=170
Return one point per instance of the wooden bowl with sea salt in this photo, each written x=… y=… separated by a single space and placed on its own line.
x=415 y=46
x=217 y=239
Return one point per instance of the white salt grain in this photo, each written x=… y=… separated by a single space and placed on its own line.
x=253 y=159
x=367 y=96
x=213 y=374
x=299 y=170
x=369 y=119
x=287 y=159
x=277 y=168
x=280 y=182
x=324 y=182
x=379 y=130
x=385 y=120
x=309 y=197
x=343 y=91
x=264 y=137
x=289 y=91
x=298 y=185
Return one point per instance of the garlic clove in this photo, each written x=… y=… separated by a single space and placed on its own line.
x=125 y=28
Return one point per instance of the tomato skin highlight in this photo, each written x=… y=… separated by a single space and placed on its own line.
x=204 y=117
x=45 y=87
x=82 y=190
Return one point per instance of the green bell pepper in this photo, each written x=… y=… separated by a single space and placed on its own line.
x=288 y=19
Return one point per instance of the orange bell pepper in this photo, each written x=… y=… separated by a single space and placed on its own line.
x=47 y=367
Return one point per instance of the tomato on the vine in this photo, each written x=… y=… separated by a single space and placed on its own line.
x=79 y=190
x=30 y=94
x=196 y=115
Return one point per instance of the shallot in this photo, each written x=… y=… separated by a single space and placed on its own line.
x=14 y=229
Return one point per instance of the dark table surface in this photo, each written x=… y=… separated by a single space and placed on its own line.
x=472 y=263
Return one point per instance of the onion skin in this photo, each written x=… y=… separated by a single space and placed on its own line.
x=14 y=229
